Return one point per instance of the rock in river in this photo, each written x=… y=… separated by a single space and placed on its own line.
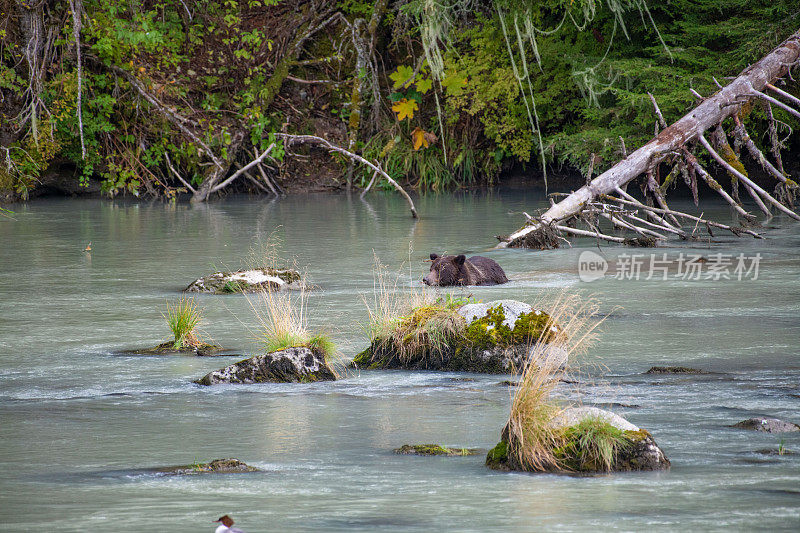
x=433 y=449
x=247 y=281
x=217 y=466
x=292 y=365
x=492 y=337
x=575 y=453
x=168 y=348
x=674 y=370
x=768 y=425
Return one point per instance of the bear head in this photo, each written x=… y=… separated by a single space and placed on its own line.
x=447 y=270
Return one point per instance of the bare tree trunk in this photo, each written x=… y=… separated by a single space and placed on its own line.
x=710 y=112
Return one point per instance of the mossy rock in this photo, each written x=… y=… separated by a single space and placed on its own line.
x=433 y=449
x=504 y=323
x=217 y=466
x=168 y=348
x=495 y=338
x=252 y=280
x=634 y=448
x=497 y=458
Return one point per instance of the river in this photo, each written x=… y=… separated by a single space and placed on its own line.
x=81 y=424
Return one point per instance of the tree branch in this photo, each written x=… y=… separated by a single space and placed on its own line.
x=333 y=148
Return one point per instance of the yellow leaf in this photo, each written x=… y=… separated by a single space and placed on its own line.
x=405 y=108
x=419 y=136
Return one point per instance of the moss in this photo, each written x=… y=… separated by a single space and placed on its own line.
x=497 y=457
x=636 y=436
x=363 y=358
x=436 y=337
x=491 y=331
x=168 y=348
x=432 y=449
x=217 y=466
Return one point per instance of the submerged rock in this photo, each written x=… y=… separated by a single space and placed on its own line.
x=495 y=337
x=168 y=348
x=636 y=449
x=433 y=449
x=253 y=280
x=768 y=425
x=292 y=365
x=675 y=370
x=217 y=466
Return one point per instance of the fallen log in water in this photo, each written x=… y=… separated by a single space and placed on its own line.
x=671 y=146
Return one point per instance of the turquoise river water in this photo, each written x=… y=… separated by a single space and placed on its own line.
x=80 y=424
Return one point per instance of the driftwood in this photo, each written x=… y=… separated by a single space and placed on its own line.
x=670 y=146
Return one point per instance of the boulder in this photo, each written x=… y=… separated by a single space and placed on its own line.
x=639 y=452
x=768 y=425
x=253 y=280
x=496 y=337
x=217 y=466
x=298 y=364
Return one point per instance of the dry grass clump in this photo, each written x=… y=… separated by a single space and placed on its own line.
x=411 y=321
x=533 y=442
x=432 y=329
x=283 y=323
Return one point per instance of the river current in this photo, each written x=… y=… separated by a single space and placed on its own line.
x=80 y=424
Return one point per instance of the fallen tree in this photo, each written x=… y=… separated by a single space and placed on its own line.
x=672 y=146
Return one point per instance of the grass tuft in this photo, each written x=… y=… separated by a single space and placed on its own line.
x=183 y=318
x=534 y=443
x=283 y=324
x=592 y=445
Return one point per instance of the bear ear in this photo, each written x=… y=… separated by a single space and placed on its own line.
x=460 y=259
x=434 y=257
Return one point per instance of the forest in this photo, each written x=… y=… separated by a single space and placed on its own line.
x=156 y=98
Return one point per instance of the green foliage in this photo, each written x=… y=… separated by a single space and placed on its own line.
x=167 y=51
x=445 y=65
x=323 y=344
x=590 y=83
x=592 y=445
x=232 y=287
x=182 y=318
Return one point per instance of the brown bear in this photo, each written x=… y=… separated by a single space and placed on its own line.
x=458 y=270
